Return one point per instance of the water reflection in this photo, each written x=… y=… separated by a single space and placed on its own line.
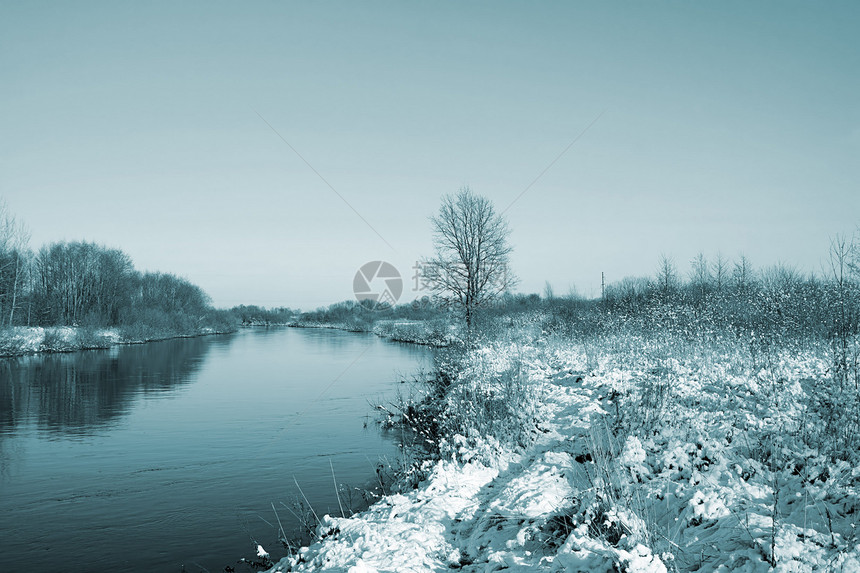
x=184 y=475
x=80 y=392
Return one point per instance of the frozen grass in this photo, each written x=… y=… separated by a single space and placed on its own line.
x=620 y=452
x=27 y=340
x=21 y=340
x=436 y=332
x=716 y=455
x=433 y=332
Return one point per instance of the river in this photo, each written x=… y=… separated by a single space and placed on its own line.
x=170 y=454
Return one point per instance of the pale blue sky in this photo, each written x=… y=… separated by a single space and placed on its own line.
x=729 y=126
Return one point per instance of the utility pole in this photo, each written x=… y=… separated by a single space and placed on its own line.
x=602 y=286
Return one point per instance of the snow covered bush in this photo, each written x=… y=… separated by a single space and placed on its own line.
x=435 y=332
x=481 y=398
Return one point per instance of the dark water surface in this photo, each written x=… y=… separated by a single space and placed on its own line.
x=155 y=456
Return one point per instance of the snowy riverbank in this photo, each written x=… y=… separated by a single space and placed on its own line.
x=21 y=340
x=436 y=332
x=645 y=456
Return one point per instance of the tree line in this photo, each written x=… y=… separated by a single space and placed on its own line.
x=763 y=308
x=716 y=298
x=253 y=315
x=86 y=284
x=470 y=274
x=721 y=295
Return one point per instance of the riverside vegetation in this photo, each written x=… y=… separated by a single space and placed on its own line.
x=74 y=295
x=711 y=424
x=703 y=425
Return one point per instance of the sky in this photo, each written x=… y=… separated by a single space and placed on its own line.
x=266 y=150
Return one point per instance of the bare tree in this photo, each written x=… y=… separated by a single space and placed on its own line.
x=667 y=276
x=720 y=271
x=14 y=238
x=845 y=314
x=548 y=292
x=80 y=281
x=470 y=267
x=700 y=275
x=629 y=290
x=742 y=273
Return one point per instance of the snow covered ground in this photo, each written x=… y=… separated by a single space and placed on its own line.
x=32 y=339
x=424 y=332
x=646 y=456
x=20 y=340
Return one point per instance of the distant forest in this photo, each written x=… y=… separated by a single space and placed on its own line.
x=78 y=283
x=720 y=299
x=85 y=284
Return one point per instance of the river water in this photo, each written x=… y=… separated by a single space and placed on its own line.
x=170 y=454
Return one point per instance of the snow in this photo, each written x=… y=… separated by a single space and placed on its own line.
x=426 y=332
x=20 y=340
x=712 y=484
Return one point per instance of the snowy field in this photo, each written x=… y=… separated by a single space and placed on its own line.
x=641 y=455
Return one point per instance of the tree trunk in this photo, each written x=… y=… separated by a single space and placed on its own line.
x=14 y=289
